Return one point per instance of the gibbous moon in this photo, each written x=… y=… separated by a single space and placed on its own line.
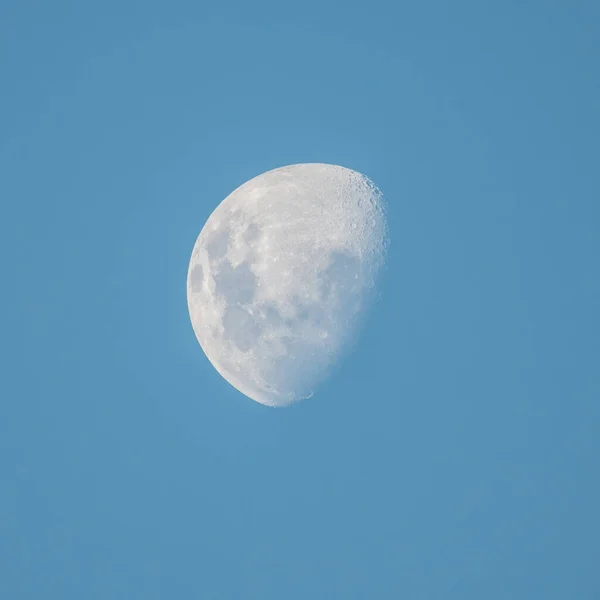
x=281 y=275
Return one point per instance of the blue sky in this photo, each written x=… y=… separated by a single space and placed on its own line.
x=454 y=455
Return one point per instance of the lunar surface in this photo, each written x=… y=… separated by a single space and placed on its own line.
x=281 y=276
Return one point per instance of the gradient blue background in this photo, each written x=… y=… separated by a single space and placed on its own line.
x=455 y=455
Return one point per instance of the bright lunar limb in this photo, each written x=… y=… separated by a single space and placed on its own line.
x=281 y=275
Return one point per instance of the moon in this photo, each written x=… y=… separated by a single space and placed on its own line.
x=281 y=276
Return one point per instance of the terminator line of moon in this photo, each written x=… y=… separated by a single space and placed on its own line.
x=282 y=275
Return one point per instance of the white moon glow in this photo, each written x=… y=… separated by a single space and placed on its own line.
x=281 y=274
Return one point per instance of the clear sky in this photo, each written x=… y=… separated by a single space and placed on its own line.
x=454 y=455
